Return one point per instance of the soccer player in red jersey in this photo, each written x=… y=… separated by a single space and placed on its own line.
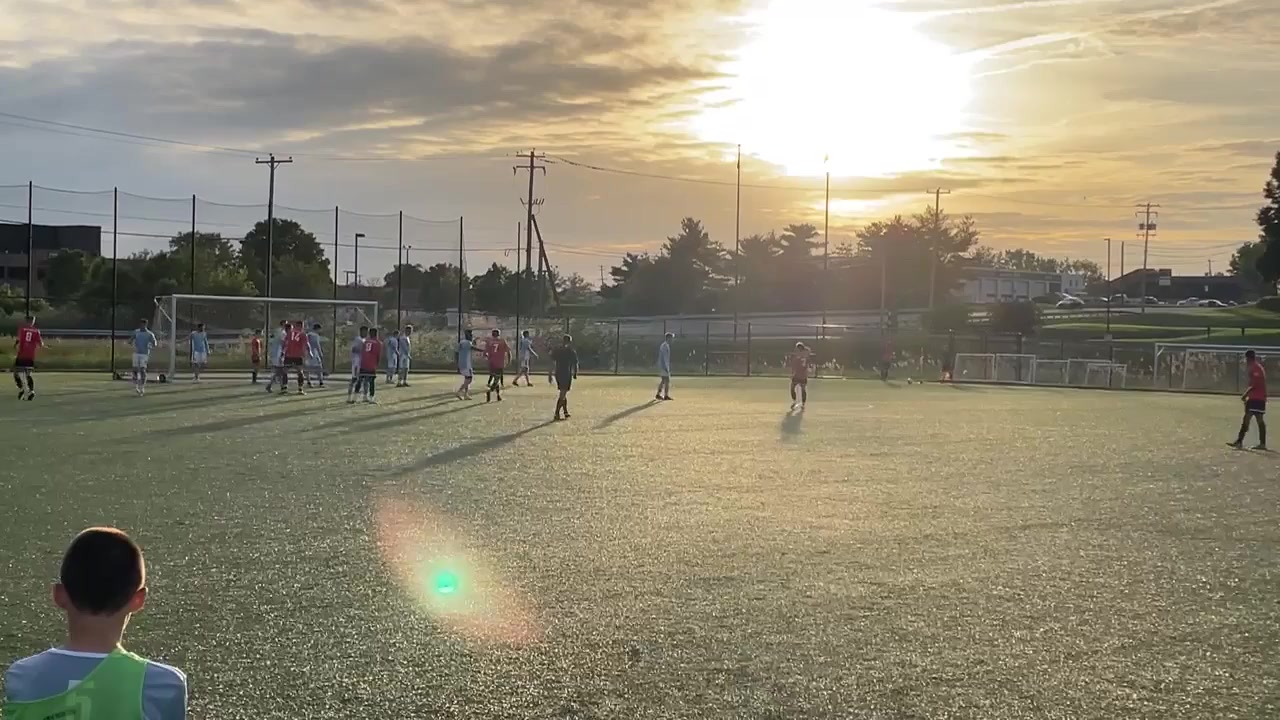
x=1255 y=402
x=800 y=375
x=370 y=356
x=255 y=353
x=497 y=353
x=28 y=342
x=295 y=350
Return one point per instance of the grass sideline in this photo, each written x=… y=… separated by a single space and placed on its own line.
x=896 y=552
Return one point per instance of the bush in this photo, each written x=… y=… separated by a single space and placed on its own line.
x=947 y=318
x=1270 y=303
x=1015 y=317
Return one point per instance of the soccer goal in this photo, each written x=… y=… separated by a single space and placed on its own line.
x=1053 y=372
x=1207 y=368
x=995 y=367
x=1102 y=374
x=231 y=320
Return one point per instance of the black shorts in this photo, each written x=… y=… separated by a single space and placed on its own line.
x=1255 y=407
x=799 y=380
x=564 y=382
x=495 y=373
x=368 y=373
x=293 y=362
x=27 y=363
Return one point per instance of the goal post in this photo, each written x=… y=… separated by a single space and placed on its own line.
x=1015 y=368
x=230 y=321
x=1103 y=374
x=974 y=367
x=1207 y=367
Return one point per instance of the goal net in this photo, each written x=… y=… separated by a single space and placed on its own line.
x=1053 y=372
x=995 y=367
x=1208 y=368
x=231 y=320
x=1105 y=374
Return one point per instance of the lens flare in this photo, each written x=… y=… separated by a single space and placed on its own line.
x=450 y=579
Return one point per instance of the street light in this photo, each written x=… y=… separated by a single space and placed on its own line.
x=1109 y=296
x=356 y=264
x=408 y=249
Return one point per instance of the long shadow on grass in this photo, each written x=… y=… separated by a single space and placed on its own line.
x=128 y=405
x=381 y=422
x=410 y=406
x=470 y=450
x=240 y=421
x=791 y=424
x=626 y=413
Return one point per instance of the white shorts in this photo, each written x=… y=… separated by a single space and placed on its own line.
x=355 y=366
x=199 y=358
x=466 y=372
x=315 y=363
x=524 y=362
x=140 y=360
x=404 y=363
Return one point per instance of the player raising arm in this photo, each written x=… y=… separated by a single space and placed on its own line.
x=1255 y=402
x=497 y=353
x=526 y=353
x=199 y=351
x=404 y=356
x=370 y=356
x=28 y=342
x=295 y=353
x=144 y=341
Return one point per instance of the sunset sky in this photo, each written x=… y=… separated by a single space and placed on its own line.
x=1047 y=119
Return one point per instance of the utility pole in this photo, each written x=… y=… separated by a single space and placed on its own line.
x=1147 y=228
x=937 y=194
x=826 y=243
x=1121 y=258
x=355 y=263
x=1108 y=240
x=737 y=246
x=272 y=163
x=601 y=276
x=1210 y=267
x=533 y=157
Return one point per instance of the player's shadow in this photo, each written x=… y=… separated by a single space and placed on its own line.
x=128 y=405
x=471 y=449
x=626 y=413
x=240 y=421
x=792 y=424
x=381 y=422
x=410 y=406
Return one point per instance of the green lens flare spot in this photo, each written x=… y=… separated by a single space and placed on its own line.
x=445 y=582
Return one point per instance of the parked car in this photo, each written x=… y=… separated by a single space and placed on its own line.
x=1149 y=300
x=1212 y=303
x=1189 y=301
x=1070 y=303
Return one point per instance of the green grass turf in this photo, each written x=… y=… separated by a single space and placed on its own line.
x=896 y=552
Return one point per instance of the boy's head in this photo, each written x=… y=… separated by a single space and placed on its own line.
x=526 y=333
x=1250 y=355
x=800 y=346
x=285 y=324
x=467 y=334
x=200 y=327
x=364 y=331
x=142 y=323
x=373 y=332
x=395 y=331
x=408 y=329
x=496 y=332
x=671 y=336
x=102 y=574
x=257 y=332
x=568 y=339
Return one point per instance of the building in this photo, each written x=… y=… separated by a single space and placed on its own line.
x=47 y=240
x=1163 y=285
x=983 y=285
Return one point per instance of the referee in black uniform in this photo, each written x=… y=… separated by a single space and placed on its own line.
x=566 y=371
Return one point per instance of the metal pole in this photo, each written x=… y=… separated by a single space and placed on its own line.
x=748 y=349
x=706 y=349
x=399 y=268
x=271 y=217
x=333 y=360
x=737 y=245
x=517 y=279
x=1144 y=299
x=356 y=263
x=31 y=241
x=826 y=247
x=193 y=244
x=115 y=255
x=617 y=344
x=884 y=271
x=462 y=276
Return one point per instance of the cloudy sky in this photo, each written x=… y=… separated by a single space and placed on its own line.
x=1047 y=119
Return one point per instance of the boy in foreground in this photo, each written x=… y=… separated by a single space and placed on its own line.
x=566 y=370
x=370 y=356
x=1255 y=402
x=199 y=351
x=101 y=585
x=525 y=354
x=143 y=341
x=28 y=342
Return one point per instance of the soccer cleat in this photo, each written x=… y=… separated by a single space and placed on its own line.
x=488 y=396
x=21 y=392
x=1259 y=446
x=301 y=391
x=1237 y=445
x=567 y=415
x=557 y=418
x=667 y=397
x=657 y=397
x=32 y=396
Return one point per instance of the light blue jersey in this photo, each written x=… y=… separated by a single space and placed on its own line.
x=53 y=672
x=200 y=342
x=464 y=357
x=313 y=344
x=404 y=346
x=143 y=341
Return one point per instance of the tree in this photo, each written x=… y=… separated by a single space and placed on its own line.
x=798 y=240
x=1244 y=265
x=694 y=268
x=494 y=290
x=574 y=289
x=209 y=246
x=289 y=239
x=1015 y=317
x=298 y=279
x=66 y=274
x=1268 y=220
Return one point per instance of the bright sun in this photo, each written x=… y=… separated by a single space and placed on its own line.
x=838 y=78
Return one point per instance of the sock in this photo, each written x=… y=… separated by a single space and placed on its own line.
x=793 y=392
x=31 y=387
x=254 y=379
x=1262 y=427
x=373 y=386
x=1244 y=428
x=804 y=394
x=17 y=380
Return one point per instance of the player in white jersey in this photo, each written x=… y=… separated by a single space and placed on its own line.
x=143 y=341
x=315 y=356
x=357 y=346
x=465 y=355
x=199 y=351
x=664 y=368
x=405 y=349
x=525 y=355
x=392 y=347
x=275 y=349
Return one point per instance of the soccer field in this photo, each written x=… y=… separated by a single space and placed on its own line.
x=893 y=552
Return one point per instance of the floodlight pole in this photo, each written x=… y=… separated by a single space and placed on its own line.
x=272 y=163
x=356 y=253
x=1108 y=240
x=826 y=245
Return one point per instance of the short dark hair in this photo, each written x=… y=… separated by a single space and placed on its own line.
x=373 y=332
x=568 y=339
x=199 y=326
x=101 y=571
x=1250 y=355
x=316 y=327
x=364 y=329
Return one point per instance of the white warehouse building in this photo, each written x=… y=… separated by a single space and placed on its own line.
x=992 y=285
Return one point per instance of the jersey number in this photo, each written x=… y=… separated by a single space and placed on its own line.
x=28 y=336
